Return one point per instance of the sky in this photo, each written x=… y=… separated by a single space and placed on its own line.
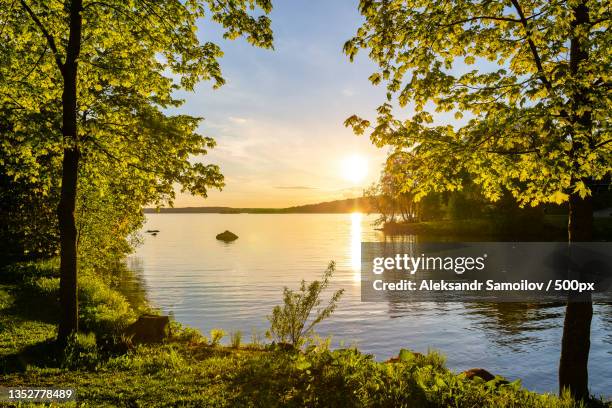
x=278 y=121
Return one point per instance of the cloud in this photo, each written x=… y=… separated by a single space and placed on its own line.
x=237 y=119
x=295 y=188
x=351 y=192
x=348 y=92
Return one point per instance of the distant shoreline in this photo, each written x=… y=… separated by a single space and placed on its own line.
x=255 y=211
x=360 y=204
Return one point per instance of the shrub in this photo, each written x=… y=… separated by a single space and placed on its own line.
x=102 y=309
x=81 y=351
x=186 y=334
x=149 y=360
x=236 y=338
x=47 y=286
x=256 y=338
x=292 y=322
x=216 y=335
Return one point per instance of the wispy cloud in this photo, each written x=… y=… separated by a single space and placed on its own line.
x=237 y=119
x=295 y=188
x=351 y=192
x=278 y=121
x=348 y=92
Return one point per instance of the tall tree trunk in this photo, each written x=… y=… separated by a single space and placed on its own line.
x=575 y=344
x=70 y=168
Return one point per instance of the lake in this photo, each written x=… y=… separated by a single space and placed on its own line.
x=208 y=284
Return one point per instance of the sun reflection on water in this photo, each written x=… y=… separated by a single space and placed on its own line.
x=356 y=245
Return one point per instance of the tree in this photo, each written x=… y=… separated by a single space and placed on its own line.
x=537 y=106
x=389 y=196
x=95 y=80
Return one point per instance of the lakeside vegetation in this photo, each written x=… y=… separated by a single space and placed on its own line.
x=92 y=133
x=466 y=214
x=189 y=369
x=550 y=228
x=527 y=85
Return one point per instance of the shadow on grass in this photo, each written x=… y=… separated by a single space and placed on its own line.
x=23 y=321
x=45 y=354
x=34 y=306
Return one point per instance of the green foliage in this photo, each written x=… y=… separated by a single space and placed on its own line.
x=103 y=310
x=135 y=57
x=536 y=106
x=257 y=340
x=28 y=229
x=292 y=322
x=186 y=334
x=236 y=338
x=174 y=375
x=395 y=202
x=216 y=335
x=196 y=374
x=81 y=352
x=147 y=360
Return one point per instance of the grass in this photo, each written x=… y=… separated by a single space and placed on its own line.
x=191 y=370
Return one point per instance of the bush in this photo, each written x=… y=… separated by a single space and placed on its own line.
x=186 y=334
x=102 y=309
x=290 y=323
x=26 y=272
x=216 y=335
x=321 y=377
x=257 y=340
x=236 y=339
x=149 y=360
x=81 y=351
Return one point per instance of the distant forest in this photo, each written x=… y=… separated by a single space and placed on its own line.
x=359 y=204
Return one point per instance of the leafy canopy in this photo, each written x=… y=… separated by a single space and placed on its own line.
x=135 y=56
x=531 y=114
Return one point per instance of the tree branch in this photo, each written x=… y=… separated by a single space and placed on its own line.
x=600 y=144
x=532 y=47
x=35 y=65
x=119 y=160
x=45 y=32
x=512 y=152
x=495 y=18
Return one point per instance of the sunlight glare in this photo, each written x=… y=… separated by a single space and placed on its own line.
x=356 y=245
x=354 y=168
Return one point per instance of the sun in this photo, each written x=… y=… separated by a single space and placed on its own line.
x=354 y=168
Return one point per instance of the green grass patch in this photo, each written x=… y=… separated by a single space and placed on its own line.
x=180 y=374
x=191 y=370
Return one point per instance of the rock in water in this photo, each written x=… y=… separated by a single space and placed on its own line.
x=227 y=236
x=149 y=329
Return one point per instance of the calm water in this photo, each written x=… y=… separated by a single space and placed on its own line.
x=208 y=284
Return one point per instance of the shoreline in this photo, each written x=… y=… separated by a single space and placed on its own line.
x=264 y=372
